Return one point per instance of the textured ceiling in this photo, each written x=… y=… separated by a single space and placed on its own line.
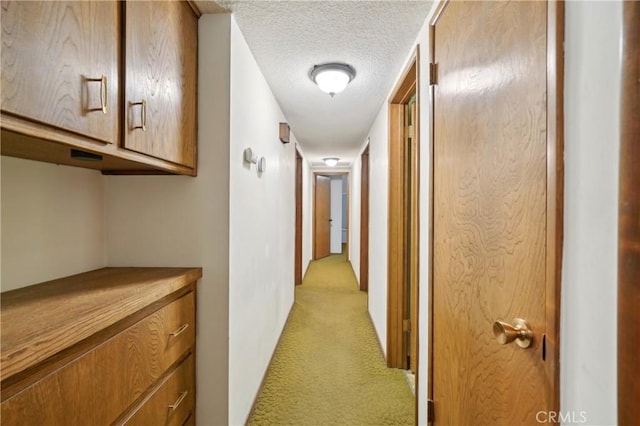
x=287 y=38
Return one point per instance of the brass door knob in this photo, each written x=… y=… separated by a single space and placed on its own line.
x=520 y=331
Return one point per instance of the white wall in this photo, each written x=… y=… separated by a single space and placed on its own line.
x=592 y=137
x=345 y=208
x=184 y=221
x=354 y=214
x=336 y=214
x=378 y=216
x=262 y=230
x=424 y=223
x=52 y=221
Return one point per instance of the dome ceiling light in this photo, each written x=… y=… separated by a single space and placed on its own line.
x=331 y=161
x=332 y=78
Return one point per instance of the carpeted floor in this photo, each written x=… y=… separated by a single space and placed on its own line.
x=328 y=368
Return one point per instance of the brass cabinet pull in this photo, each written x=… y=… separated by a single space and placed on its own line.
x=103 y=94
x=520 y=331
x=179 y=331
x=104 y=91
x=143 y=114
x=181 y=398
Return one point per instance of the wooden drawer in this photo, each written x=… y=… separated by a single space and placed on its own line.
x=97 y=387
x=172 y=404
x=191 y=421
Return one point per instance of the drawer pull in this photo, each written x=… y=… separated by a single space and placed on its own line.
x=143 y=114
x=179 y=331
x=181 y=398
x=103 y=93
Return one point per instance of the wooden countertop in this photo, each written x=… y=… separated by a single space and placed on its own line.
x=43 y=319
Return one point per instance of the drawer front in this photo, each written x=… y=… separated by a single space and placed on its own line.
x=172 y=404
x=97 y=387
x=191 y=421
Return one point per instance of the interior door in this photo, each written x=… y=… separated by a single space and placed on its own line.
x=404 y=203
x=322 y=224
x=490 y=214
x=297 y=269
x=412 y=177
x=364 y=221
x=629 y=223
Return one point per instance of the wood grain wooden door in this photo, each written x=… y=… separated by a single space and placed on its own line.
x=490 y=213
x=412 y=164
x=364 y=220
x=322 y=224
x=60 y=62
x=629 y=223
x=404 y=203
x=161 y=45
x=297 y=269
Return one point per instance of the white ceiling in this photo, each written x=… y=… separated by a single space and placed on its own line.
x=287 y=38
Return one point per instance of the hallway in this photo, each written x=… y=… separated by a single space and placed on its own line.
x=328 y=368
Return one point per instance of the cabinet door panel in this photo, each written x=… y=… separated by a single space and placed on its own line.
x=54 y=57
x=161 y=68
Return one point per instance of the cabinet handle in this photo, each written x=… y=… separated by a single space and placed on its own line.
x=181 y=398
x=143 y=114
x=104 y=91
x=179 y=331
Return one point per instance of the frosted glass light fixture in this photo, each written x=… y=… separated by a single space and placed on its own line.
x=331 y=161
x=332 y=78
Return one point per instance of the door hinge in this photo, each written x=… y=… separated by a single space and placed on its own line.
x=406 y=325
x=430 y=411
x=433 y=74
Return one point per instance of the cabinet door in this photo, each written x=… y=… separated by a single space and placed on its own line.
x=60 y=65
x=161 y=65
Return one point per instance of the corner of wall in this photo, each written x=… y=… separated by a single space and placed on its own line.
x=307 y=209
x=52 y=221
x=588 y=355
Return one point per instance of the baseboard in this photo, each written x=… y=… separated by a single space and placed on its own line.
x=384 y=355
x=306 y=270
x=264 y=376
x=353 y=271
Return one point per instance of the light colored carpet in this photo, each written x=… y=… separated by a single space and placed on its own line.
x=328 y=368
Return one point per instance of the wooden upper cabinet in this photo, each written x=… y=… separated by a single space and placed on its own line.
x=60 y=62
x=160 y=78
x=64 y=98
